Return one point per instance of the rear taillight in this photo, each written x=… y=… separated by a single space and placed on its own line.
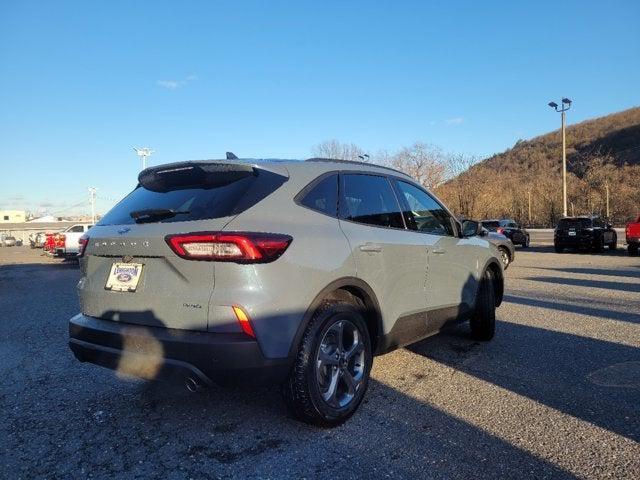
x=82 y=246
x=229 y=247
x=500 y=230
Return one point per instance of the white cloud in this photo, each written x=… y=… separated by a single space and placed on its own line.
x=454 y=121
x=175 y=84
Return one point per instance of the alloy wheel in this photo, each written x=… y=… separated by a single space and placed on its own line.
x=340 y=363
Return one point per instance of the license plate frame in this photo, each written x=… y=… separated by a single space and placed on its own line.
x=124 y=277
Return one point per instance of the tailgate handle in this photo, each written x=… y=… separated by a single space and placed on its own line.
x=370 y=247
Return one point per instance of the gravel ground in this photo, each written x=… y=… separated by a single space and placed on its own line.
x=555 y=395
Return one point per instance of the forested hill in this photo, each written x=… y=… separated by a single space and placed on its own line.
x=603 y=153
x=615 y=137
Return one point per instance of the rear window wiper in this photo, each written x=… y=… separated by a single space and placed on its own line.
x=149 y=215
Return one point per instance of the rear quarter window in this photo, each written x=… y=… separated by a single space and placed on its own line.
x=322 y=196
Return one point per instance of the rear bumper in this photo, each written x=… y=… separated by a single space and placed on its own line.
x=157 y=353
x=573 y=241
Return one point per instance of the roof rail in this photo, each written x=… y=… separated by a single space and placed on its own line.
x=353 y=162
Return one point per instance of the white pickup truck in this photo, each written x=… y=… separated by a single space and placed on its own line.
x=72 y=240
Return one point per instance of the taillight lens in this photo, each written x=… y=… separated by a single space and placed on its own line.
x=238 y=247
x=500 y=230
x=82 y=245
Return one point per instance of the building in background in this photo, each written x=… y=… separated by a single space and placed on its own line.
x=13 y=216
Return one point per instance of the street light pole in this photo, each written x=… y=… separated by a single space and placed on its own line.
x=92 y=201
x=607 y=188
x=143 y=153
x=566 y=105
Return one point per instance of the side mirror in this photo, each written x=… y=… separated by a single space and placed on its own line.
x=471 y=228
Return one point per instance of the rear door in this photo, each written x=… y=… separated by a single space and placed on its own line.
x=389 y=258
x=171 y=291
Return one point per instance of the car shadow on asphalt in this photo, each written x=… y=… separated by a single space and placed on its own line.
x=242 y=428
x=607 y=272
x=573 y=308
x=564 y=380
x=580 y=282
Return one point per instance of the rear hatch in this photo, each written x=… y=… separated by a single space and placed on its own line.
x=572 y=228
x=130 y=242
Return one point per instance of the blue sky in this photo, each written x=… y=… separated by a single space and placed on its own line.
x=81 y=83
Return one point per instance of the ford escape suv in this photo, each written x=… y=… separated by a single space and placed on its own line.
x=288 y=272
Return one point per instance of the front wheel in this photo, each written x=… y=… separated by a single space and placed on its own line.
x=632 y=248
x=526 y=242
x=331 y=371
x=483 y=320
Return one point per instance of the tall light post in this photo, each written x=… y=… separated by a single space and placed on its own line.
x=566 y=105
x=92 y=201
x=143 y=153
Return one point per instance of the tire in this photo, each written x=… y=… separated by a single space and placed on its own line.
x=504 y=257
x=558 y=248
x=614 y=245
x=483 y=320
x=317 y=366
x=527 y=241
x=632 y=249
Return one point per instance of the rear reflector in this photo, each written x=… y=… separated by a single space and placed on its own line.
x=237 y=247
x=244 y=322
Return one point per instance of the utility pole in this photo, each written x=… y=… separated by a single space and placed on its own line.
x=143 y=153
x=529 y=207
x=607 y=188
x=566 y=105
x=573 y=212
x=92 y=201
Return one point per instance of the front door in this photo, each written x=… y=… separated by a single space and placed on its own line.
x=451 y=284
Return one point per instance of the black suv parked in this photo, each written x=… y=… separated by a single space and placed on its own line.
x=510 y=229
x=588 y=232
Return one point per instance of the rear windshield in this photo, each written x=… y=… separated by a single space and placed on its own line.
x=574 y=223
x=187 y=204
x=491 y=225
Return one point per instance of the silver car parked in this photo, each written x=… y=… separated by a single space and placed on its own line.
x=290 y=272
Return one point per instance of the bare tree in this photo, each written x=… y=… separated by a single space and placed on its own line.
x=425 y=163
x=338 y=150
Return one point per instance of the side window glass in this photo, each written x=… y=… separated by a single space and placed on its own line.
x=77 y=228
x=323 y=197
x=512 y=225
x=425 y=214
x=369 y=199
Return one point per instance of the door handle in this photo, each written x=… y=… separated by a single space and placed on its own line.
x=370 y=247
x=438 y=251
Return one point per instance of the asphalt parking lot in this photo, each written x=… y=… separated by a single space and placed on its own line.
x=556 y=394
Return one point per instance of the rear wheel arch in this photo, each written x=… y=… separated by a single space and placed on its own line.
x=351 y=290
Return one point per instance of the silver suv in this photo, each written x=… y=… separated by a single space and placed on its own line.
x=288 y=272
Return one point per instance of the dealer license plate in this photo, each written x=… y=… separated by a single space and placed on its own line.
x=124 y=277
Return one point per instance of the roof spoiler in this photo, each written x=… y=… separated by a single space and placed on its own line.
x=183 y=175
